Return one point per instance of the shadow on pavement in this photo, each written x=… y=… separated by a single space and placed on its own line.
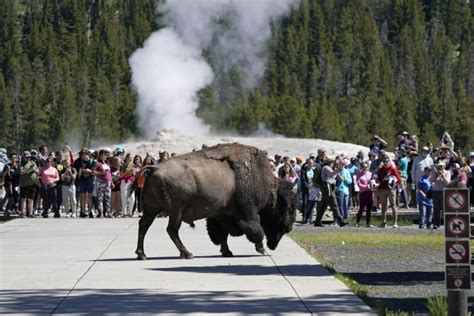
x=177 y=257
x=397 y=278
x=288 y=270
x=139 y=301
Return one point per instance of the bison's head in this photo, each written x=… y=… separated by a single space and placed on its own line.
x=280 y=219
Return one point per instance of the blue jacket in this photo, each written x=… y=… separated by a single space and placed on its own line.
x=343 y=186
x=424 y=185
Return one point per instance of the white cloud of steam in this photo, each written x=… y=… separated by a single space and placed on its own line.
x=169 y=70
x=167 y=74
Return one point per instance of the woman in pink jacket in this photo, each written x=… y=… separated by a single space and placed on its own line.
x=363 y=178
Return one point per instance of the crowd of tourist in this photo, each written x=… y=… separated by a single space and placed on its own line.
x=409 y=175
x=95 y=183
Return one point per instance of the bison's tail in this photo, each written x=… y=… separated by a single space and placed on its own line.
x=139 y=181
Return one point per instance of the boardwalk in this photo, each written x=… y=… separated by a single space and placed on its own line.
x=69 y=266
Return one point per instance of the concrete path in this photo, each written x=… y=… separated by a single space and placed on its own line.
x=88 y=266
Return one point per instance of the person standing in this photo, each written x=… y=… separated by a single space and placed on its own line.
x=363 y=179
x=403 y=170
x=421 y=161
x=68 y=189
x=28 y=180
x=104 y=184
x=343 y=180
x=127 y=174
x=441 y=177
x=424 y=199
x=470 y=180
x=387 y=179
x=458 y=177
x=328 y=192
x=49 y=177
x=11 y=182
x=84 y=166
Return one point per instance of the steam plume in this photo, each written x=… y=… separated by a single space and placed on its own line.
x=169 y=70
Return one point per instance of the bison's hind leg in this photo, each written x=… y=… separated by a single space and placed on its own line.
x=143 y=225
x=218 y=234
x=174 y=224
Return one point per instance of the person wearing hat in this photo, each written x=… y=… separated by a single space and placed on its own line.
x=440 y=178
x=420 y=162
x=29 y=173
x=328 y=192
x=458 y=177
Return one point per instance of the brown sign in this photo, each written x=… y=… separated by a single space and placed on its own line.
x=458 y=277
x=456 y=200
x=456 y=225
x=458 y=251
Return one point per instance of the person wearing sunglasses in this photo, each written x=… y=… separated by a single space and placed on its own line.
x=387 y=178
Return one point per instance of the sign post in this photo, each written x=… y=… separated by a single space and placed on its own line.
x=457 y=249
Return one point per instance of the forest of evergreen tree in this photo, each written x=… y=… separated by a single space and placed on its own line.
x=336 y=69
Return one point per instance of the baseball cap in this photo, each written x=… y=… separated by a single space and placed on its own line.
x=405 y=133
x=26 y=154
x=425 y=148
x=471 y=154
x=455 y=166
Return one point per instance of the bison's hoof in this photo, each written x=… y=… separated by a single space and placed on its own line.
x=186 y=255
x=227 y=253
x=261 y=250
x=140 y=255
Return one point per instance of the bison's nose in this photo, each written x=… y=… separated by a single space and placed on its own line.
x=272 y=244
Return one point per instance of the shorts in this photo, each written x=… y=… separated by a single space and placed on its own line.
x=86 y=187
x=384 y=194
x=28 y=192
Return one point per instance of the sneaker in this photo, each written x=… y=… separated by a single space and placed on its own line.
x=68 y=215
x=357 y=225
x=73 y=215
x=319 y=225
x=395 y=226
x=334 y=224
x=435 y=227
x=344 y=223
x=421 y=226
x=140 y=214
x=382 y=225
x=369 y=226
x=83 y=215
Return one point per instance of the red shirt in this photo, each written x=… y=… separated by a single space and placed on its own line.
x=382 y=174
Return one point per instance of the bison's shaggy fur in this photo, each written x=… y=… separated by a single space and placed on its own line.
x=232 y=185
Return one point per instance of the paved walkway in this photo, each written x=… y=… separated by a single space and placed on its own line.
x=88 y=266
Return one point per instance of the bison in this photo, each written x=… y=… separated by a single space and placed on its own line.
x=232 y=185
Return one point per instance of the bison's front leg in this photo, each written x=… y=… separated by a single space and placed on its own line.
x=254 y=232
x=219 y=235
x=173 y=231
x=143 y=225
